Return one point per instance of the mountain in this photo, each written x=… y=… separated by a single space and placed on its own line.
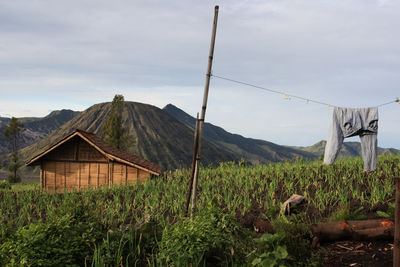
x=165 y=136
x=253 y=150
x=157 y=136
x=259 y=151
x=35 y=129
x=349 y=149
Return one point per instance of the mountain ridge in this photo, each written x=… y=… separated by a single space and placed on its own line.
x=156 y=136
x=165 y=136
x=35 y=128
x=254 y=150
x=348 y=149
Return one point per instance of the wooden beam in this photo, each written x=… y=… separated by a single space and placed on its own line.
x=55 y=175
x=108 y=173
x=44 y=176
x=41 y=176
x=98 y=174
x=112 y=172
x=77 y=149
x=73 y=161
x=79 y=176
x=88 y=180
x=65 y=175
x=126 y=174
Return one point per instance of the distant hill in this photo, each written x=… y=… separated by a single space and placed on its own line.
x=157 y=136
x=165 y=136
x=349 y=149
x=253 y=150
x=35 y=128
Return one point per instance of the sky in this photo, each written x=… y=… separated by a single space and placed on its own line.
x=73 y=54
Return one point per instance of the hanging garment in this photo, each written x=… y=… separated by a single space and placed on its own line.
x=347 y=122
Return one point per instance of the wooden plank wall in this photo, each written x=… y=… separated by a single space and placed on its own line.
x=76 y=150
x=58 y=176
x=64 y=175
x=124 y=174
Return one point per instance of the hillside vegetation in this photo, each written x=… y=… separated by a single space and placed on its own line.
x=143 y=224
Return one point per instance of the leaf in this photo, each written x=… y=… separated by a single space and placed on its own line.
x=383 y=214
x=256 y=261
x=281 y=252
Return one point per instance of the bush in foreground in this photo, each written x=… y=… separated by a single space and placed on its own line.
x=211 y=237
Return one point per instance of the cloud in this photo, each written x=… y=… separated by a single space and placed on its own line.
x=73 y=54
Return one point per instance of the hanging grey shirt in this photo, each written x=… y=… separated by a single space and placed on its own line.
x=347 y=122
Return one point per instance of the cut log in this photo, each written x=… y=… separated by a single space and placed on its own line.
x=354 y=230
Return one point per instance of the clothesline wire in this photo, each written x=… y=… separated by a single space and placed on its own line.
x=384 y=104
x=286 y=94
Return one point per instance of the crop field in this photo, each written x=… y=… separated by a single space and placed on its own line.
x=143 y=224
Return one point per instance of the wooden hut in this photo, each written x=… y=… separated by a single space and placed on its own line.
x=82 y=160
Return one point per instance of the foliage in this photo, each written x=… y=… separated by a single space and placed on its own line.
x=5 y=185
x=12 y=134
x=123 y=247
x=297 y=240
x=344 y=213
x=14 y=165
x=64 y=239
x=229 y=189
x=113 y=131
x=389 y=213
x=270 y=252
x=210 y=237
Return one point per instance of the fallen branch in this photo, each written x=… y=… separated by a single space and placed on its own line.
x=354 y=230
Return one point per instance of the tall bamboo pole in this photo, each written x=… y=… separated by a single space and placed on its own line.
x=195 y=146
x=203 y=108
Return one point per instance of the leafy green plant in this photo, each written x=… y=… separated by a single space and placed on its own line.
x=65 y=238
x=389 y=213
x=5 y=185
x=61 y=241
x=211 y=237
x=270 y=251
x=297 y=240
x=344 y=213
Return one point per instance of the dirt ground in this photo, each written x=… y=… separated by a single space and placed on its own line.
x=357 y=254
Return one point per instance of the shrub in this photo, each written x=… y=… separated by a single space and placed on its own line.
x=212 y=237
x=64 y=239
x=5 y=185
x=344 y=213
x=270 y=250
x=297 y=240
x=125 y=247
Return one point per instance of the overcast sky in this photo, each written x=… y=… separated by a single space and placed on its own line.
x=73 y=54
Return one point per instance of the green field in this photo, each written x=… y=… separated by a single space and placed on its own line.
x=143 y=224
